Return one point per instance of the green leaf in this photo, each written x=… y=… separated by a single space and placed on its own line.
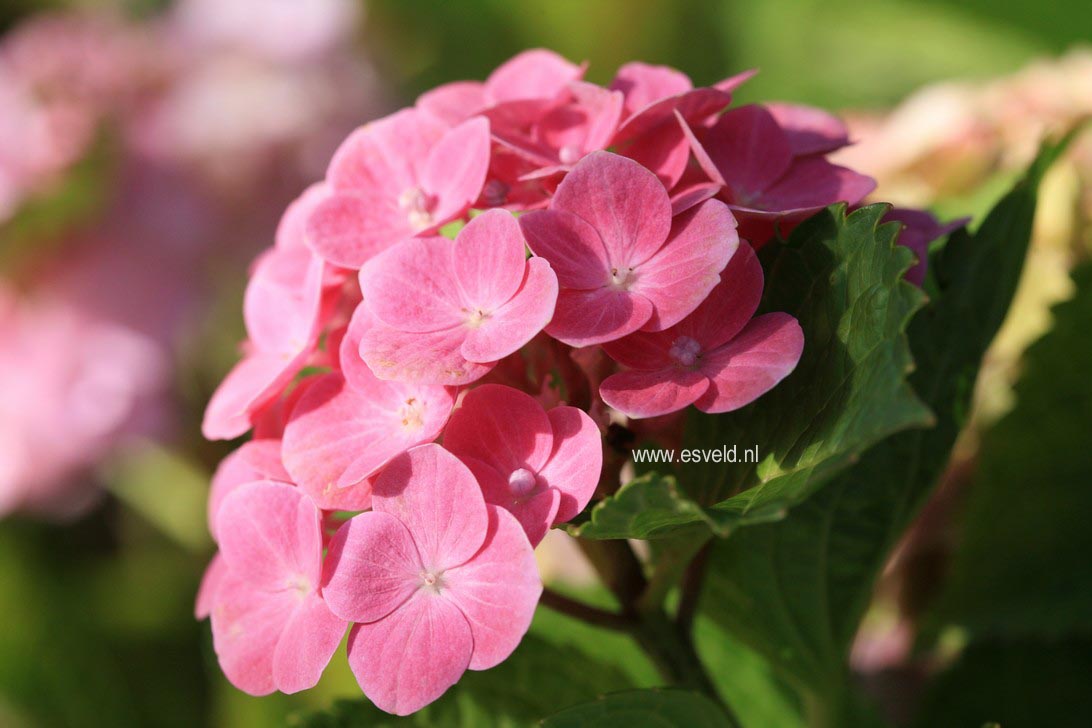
x=531 y=684
x=656 y=707
x=1013 y=684
x=1022 y=567
x=646 y=507
x=796 y=590
x=840 y=275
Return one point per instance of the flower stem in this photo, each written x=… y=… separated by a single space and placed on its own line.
x=586 y=612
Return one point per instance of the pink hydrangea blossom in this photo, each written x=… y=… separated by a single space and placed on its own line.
x=622 y=262
x=396 y=178
x=436 y=580
x=258 y=459
x=549 y=464
x=271 y=627
x=476 y=300
x=719 y=358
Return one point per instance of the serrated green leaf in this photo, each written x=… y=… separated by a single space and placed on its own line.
x=796 y=590
x=1022 y=568
x=840 y=275
x=664 y=708
x=531 y=684
x=646 y=507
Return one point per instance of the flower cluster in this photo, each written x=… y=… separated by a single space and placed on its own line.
x=502 y=269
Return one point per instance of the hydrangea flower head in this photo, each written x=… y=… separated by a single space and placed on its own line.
x=437 y=581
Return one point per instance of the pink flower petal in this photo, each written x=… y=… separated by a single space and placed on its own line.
x=270 y=535
x=665 y=151
x=253 y=382
x=572 y=246
x=247 y=623
x=214 y=575
x=645 y=350
x=292 y=228
x=490 y=259
x=454 y=102
x=412 y=656
x=437 y=499
x=810 y=130
x=625 y=203
x=532 y=74
x=680 y=275
x=751 y=364
x=729 y=306
x=517 y=321
x=749 y=149
x=384 y=158
x=684 y=198
x=813 y=182
x=341 y=435
x=576 y=461
x=583 y=318
x=501 y=426
x=497 y=590
x=456 y=168
x=349 y=229
x=254 y=460
x=585 y=125
x=372 y=567
x=430 y=358
x=643 y=84
x=412 y=286
x=283 y=300
x=640 y=394
x=308 y=641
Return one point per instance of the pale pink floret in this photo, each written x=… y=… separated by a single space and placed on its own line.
x=622 y=262
x=271 y=628
x=283 y=312
x=718 y=358
x=438 y=581
x=444 y=307
x=402 y=176
x=541 y=466
x=347 y=426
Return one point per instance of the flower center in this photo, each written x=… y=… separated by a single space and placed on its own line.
x=685 y=351
x=495 y=193
x=432 y=580
x=412 y=414
x=417 y=206
x=621 y=278
x=521 y=482
x=476 y=317
x=569 y=154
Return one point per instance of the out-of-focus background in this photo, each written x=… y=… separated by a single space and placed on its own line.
x=147 y=148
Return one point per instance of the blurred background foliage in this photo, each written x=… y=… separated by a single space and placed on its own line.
x=97 y=615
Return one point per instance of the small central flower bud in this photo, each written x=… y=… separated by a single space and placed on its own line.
x=521 y=482
x=417 y=206
x=432 y=580
x=619 y=277
x=495 y=193
x=569 y=154
x=411 y=415
x=685 y=351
